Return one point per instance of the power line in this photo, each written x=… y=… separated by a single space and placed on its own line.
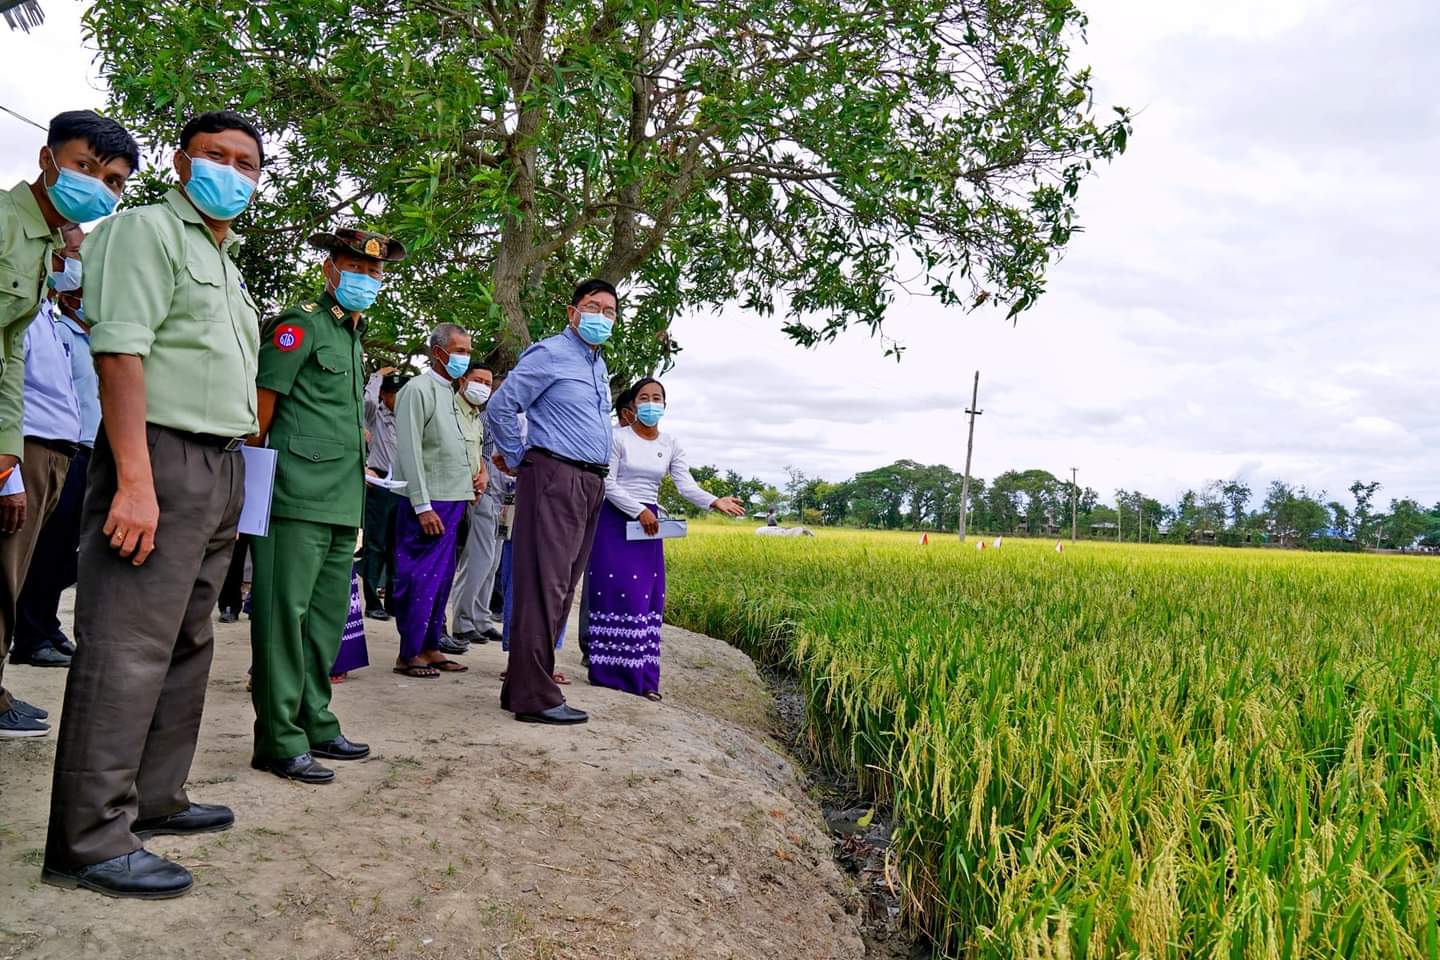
x=20 y=116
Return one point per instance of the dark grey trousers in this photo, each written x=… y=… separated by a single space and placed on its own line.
x=143 y=636
x=557 y=507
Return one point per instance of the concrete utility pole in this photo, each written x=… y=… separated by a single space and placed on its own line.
x=1074 y=498
x=974 y=411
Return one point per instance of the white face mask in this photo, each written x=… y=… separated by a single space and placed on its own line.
x=69 y=278
x=477 y=393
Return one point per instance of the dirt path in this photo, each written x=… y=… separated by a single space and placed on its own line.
x=670 y=830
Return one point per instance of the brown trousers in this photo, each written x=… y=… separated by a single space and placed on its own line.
x=143 y=636
x=556 y=509
x=43 y=471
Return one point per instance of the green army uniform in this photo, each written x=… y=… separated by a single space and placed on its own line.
x=310 y=356
x=26 y=241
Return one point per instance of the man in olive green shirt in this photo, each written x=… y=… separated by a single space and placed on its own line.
x=84 y=165
x=312 y=413
x=434 y=460
x=175 y=337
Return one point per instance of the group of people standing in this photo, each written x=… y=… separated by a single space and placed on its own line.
x=514 y=483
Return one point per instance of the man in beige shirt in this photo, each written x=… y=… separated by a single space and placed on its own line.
x=175 y=336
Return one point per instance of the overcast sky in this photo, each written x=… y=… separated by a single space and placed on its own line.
x=1252 y=296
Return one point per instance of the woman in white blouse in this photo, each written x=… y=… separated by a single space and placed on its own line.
x=626 y=590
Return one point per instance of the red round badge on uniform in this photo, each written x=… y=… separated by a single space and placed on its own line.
x=288 y=337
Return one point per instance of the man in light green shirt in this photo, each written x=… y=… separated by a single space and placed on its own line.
x=434 y=460
x=175 y=336
x=84 y=165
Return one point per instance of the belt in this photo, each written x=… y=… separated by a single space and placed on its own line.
x=63 y=447
x=228 y=444
x=600 y=470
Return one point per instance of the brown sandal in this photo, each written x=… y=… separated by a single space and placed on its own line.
x=418 y=671
x=560 y=679
x=448 y=666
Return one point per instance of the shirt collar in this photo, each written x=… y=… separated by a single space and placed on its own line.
x=186 y=211
x=79 y=330
x=328 y=303
x=30 y=216
x=438 y=378
x=591 y=353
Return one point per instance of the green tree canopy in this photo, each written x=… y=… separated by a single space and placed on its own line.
x=792 y=157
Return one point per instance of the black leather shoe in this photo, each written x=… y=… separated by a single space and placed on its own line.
x=229 y=616
x=303 y=769
x=64 y=644
x=139 y=875
x=452 y=646
x=377 y=613
x=472 y=637
x=197 y=818
x=563 y=714
x=340 y=749
x=42 y=656
x=491 y=634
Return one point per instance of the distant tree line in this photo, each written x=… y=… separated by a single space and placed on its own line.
x=907 y=495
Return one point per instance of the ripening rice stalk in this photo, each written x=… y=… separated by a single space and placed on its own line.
x=1115 y=751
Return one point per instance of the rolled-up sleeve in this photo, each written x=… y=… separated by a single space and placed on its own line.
x=129 y=284
x=523 y=384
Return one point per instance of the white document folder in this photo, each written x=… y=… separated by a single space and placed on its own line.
x=259 y=488
x=669 y=530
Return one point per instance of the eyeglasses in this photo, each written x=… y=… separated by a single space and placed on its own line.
x=609 y=313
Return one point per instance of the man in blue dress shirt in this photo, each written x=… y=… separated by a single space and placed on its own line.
x=39 y=638
x=52 y=430
x=562 y=387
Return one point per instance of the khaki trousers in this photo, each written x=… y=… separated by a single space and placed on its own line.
x=43 y=471
x=143 y=636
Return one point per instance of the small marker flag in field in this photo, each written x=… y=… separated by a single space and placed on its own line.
x=1059 y=547
x=998 y=541
x=924 y=539
x=980 y=546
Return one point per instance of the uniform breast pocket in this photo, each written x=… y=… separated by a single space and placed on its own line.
x=333 y=379
x=205 y=290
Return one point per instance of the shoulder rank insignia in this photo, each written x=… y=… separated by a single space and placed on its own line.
x=337 y=311
x=308 y=307
x=288 y=337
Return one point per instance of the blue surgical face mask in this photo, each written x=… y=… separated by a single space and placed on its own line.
x=79 y=197
x=649 y=413
x=80 y=313
x=595 y=328
x=219 y=191
x=68 y=279
x=356 y=291
x=457 y=365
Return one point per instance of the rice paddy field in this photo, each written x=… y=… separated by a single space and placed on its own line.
x=1115 y=751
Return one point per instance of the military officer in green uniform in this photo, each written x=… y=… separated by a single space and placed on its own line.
x=311 y=402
